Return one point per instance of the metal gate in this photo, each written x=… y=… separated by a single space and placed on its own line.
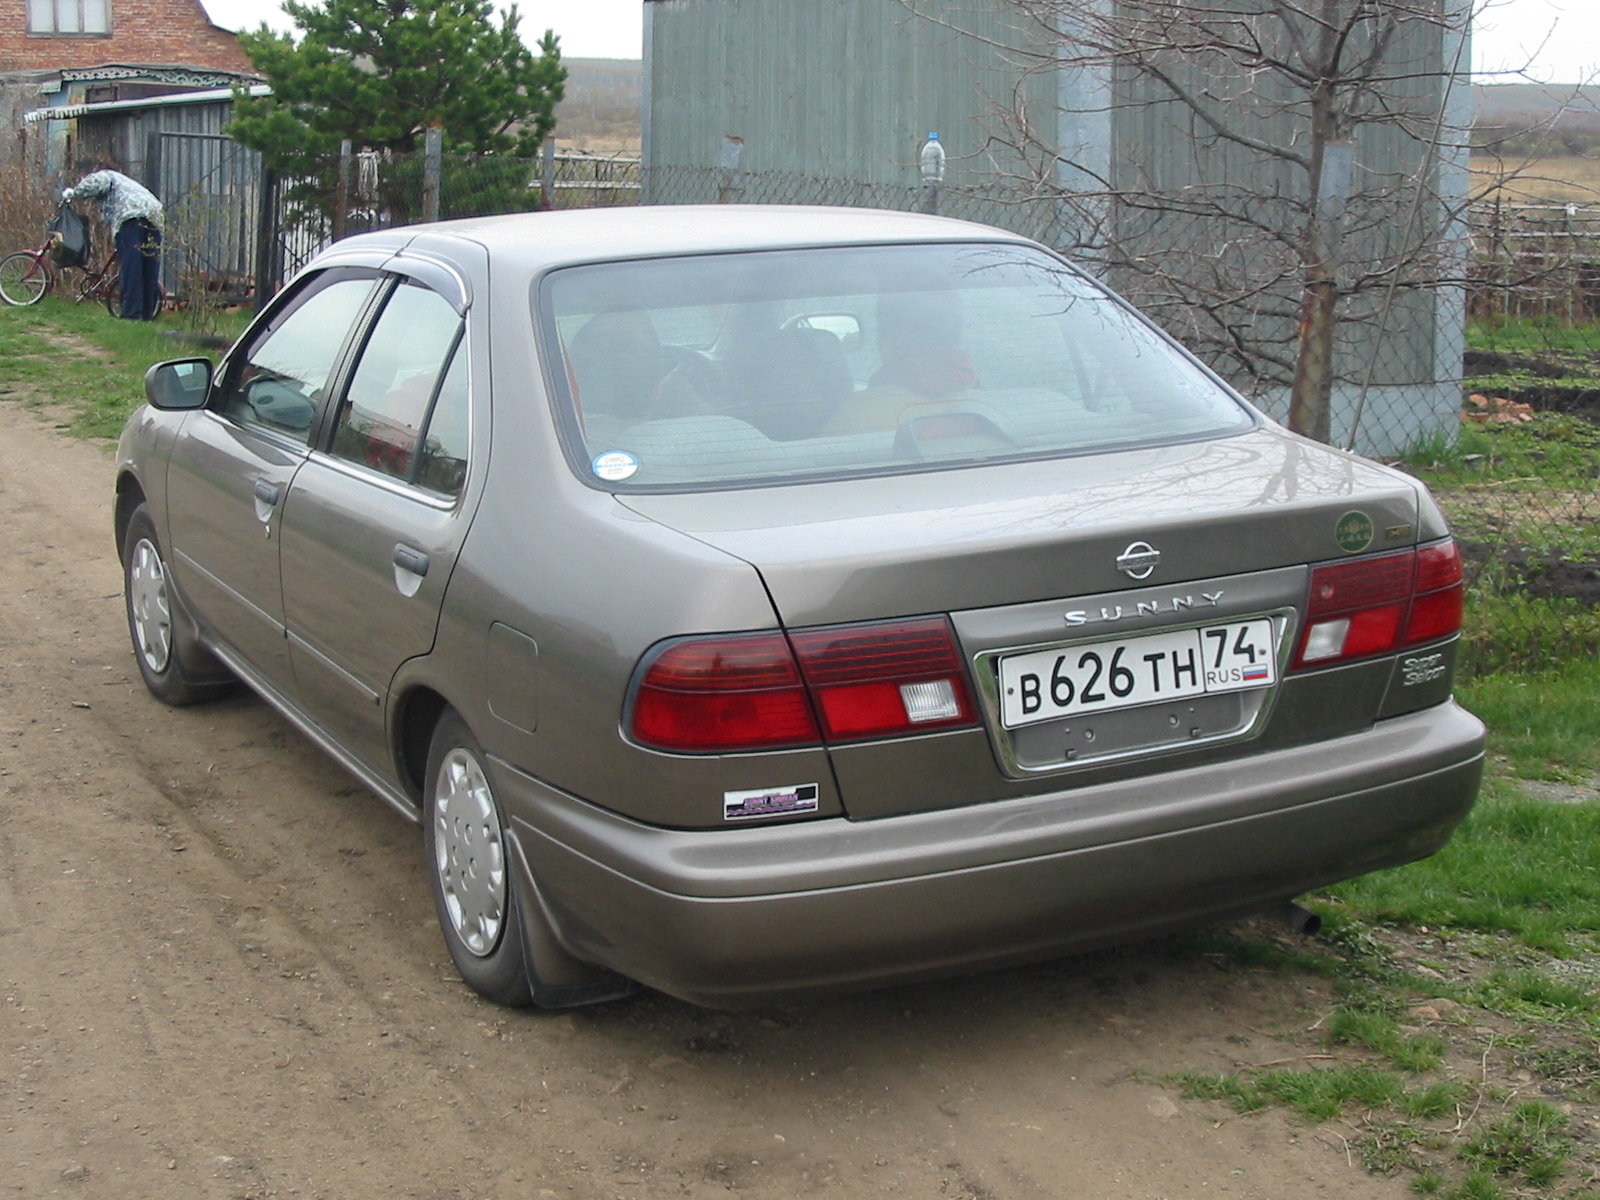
x=210 y=188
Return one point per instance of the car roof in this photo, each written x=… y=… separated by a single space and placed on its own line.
x=536 y=241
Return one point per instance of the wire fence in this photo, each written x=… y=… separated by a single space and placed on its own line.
x=1511 y=448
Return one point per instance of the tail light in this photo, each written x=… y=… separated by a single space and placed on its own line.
x=884 y=679
x=1377 y=604
x=765 y=691
x=741 y=692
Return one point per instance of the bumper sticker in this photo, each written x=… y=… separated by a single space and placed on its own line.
x=770 y=802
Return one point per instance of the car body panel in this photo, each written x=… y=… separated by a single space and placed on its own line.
x=224 y=551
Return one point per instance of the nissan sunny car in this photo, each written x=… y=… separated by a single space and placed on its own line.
x=753 y=602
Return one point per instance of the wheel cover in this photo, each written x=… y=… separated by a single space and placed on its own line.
x=468 y=852
x=149 y=606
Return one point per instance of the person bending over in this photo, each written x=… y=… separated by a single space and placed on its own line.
x=134 y=215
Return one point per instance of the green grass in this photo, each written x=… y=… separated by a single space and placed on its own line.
x=1534 y=337
x=1380 y=1032
x=1523 y=866
x=1320 y=1095
x=1531 y=1140
x=100 y=389
x=1544 y=726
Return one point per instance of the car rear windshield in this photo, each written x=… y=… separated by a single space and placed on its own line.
x=717 y=370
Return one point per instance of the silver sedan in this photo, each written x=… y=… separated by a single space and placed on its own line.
x=757 y=601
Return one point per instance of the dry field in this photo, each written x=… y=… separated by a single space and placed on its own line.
x=1563 y=178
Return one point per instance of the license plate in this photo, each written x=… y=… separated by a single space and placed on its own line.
x=1048 y=684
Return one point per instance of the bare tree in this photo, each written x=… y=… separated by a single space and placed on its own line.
x=1274 y=177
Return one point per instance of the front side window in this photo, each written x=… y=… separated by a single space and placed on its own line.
x=404 y=413
x=69 y=16
x=278 y=383
x=715 y=370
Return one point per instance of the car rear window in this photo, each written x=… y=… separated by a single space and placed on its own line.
x=719 y=370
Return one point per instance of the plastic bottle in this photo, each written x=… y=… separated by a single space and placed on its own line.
x=932 y=160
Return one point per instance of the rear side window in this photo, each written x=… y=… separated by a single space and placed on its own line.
x=278 y=383
x=718 y=370
x=389 y=409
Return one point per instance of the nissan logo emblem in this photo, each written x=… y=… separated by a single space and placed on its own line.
x=1139 y=561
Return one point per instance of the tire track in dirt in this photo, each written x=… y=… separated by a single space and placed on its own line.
x=223 y=979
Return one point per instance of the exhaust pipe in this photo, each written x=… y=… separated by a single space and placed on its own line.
x=1302 y=920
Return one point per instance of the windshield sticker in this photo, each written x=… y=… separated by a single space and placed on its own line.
x=770 y=802
x=1353 y=532
x=615 y=465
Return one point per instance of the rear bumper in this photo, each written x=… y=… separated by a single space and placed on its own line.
x=733 y=917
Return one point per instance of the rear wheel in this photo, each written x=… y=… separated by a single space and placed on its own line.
x=474 y=887
x=157 y=627
x=24 y=278
x=112 y=295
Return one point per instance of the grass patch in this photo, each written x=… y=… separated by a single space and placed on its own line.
x=42 y=354
x=1378 y=1031
x=1547 y=726
x=1530 y=1140
x=1526 y=867
x=1320 y=1095
x=1533 y=990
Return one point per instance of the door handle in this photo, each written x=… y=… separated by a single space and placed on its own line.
x=268 y=493
x=411 y=560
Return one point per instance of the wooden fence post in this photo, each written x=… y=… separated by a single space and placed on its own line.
x=432 y=168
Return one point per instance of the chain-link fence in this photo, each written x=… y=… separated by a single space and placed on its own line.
x=1521 y=481
x=1513 y=456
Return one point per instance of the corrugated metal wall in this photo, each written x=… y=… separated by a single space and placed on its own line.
x=839 y=88
x=848 y=89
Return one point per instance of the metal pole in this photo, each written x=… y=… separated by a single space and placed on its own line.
x=547 y=185
x=432 y=168
x=732 y=177
x=266 y=238
x=341 y=193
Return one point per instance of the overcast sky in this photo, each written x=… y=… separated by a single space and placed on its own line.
x=1559 y=38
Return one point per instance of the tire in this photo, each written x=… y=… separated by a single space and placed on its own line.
x=474 y=887
x=176 y=669
x=24 y=279
x=112 y=295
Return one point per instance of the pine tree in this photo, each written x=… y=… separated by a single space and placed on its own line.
x=380 y=72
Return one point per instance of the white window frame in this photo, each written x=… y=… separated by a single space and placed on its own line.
x=45 y=17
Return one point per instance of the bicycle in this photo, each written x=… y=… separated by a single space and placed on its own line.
x=26 y=276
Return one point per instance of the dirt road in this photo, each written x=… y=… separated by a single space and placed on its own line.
x=222 y=978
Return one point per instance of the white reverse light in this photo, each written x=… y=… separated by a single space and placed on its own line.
x=1326 y=640
x=934 y=701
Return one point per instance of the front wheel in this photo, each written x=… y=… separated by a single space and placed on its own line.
x=24 y=278
x=474 y=887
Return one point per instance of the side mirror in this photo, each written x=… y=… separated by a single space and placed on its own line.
x=180 y=384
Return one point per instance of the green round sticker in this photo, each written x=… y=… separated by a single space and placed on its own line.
x=1353 y=532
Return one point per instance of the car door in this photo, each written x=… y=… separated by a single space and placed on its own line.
x=374 y=520
x=233 y=461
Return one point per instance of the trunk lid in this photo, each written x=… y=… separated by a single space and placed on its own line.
x=1010 y=551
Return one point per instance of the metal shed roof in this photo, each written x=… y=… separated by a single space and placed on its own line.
x=68 y=112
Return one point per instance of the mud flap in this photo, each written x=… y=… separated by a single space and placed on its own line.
x=557 y=979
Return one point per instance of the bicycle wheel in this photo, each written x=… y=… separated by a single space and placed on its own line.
x=24 y=278
x=111 y=293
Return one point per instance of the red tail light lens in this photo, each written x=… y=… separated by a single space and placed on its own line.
x=1436 y=610
x=741 y=692
x=748 y=691
x=1373 y=605
x=884 y=679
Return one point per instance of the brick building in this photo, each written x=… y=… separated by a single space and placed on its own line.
x=64 y=53
x=48 y=35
